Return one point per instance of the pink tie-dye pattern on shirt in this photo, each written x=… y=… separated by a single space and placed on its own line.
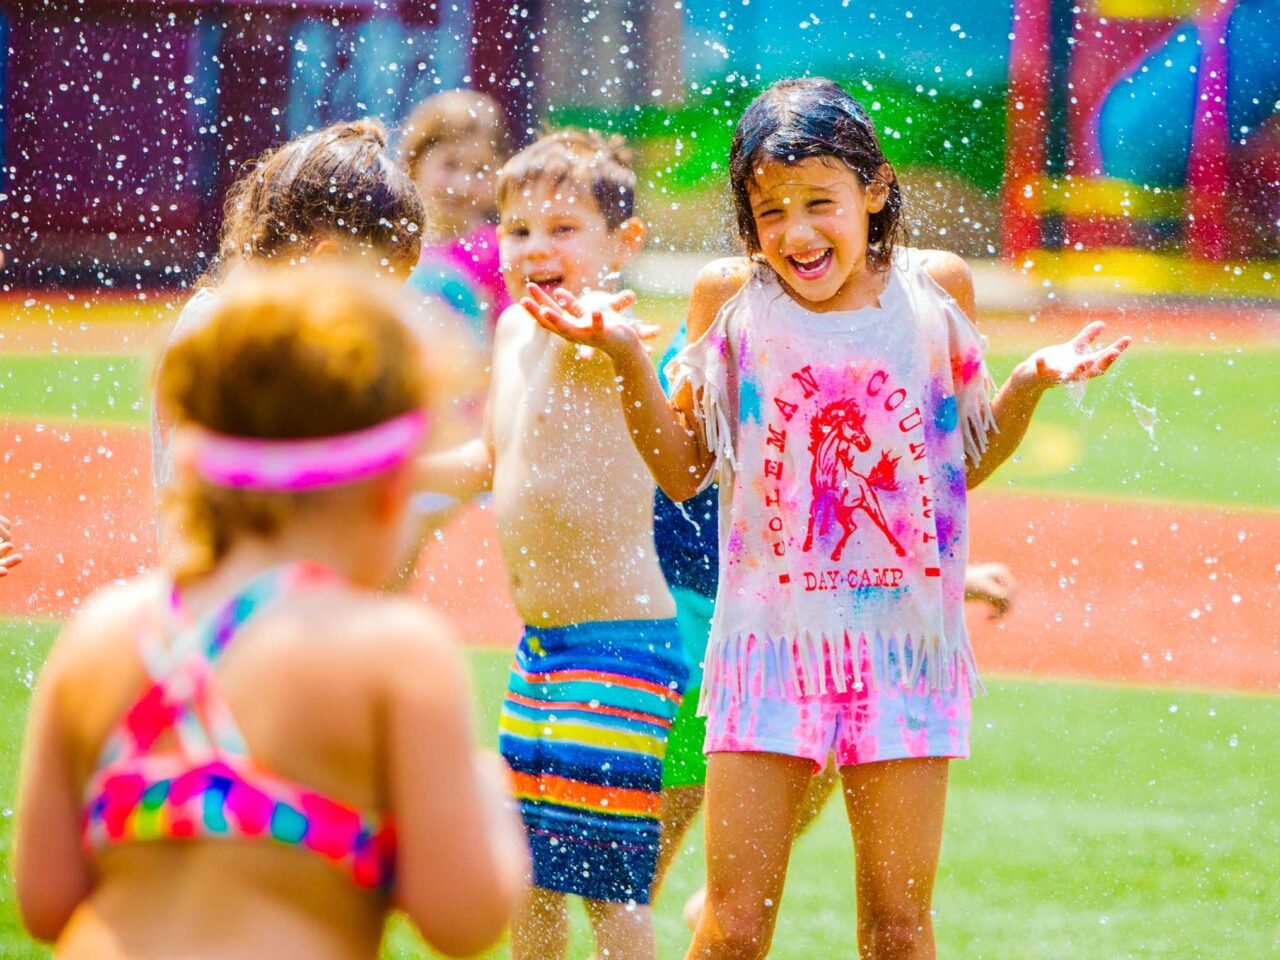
x=866 y=723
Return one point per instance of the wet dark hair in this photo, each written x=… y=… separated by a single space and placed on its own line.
x=796 y=120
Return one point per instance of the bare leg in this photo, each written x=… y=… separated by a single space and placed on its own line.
x=680 y=805
x=896 y=810
x=541 y=929
x=816 y=796
x=623 y=931
x=752 y=800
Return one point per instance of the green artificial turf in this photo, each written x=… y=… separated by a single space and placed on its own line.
x=93 y=387
x=1094 y=822
x=1214 y=417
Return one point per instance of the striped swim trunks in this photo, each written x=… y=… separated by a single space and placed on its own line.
x=584 y=729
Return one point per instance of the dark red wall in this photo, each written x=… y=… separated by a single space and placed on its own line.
x=114 y=169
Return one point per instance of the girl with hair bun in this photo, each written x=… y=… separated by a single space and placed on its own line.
x=337 y=192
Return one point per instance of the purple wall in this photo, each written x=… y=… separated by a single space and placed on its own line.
x=123 y=122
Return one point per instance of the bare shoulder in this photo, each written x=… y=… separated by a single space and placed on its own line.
x=412 y=642
x=95 y=632
x=513 y=321
x=514 y=329
x=952 y=274
x=94 y=665
x=726 y=274
x=716 y=283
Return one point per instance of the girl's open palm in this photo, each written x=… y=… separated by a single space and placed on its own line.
x=1078 y=358
x=604 y=327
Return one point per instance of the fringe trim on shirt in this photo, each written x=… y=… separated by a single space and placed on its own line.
x=977 y=421
x=709 y=405
x=738 y=663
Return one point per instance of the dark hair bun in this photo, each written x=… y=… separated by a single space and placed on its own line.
x=366 y=128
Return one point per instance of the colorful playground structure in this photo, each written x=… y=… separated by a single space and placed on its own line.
x=1134 y=144
x=1144 y=136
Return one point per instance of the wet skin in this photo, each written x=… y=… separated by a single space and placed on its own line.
x=572 y=497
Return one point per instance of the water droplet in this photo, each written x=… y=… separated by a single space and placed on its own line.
x=1147 y=417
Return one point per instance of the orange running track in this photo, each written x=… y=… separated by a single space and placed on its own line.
x=1110 y=590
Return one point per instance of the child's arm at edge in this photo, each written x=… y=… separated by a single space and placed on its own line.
x=466 y=471
x=463 y=472
x=1016 y=401
x=8 y=558
x=51 y=874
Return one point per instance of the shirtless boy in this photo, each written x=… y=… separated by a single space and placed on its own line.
x=599 y=671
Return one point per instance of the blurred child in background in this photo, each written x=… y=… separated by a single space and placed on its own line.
x=338 y=192
x=194 y=707
x=453 y=144
x=335 y=191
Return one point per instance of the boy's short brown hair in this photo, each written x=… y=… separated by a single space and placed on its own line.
x=450 y=117
x=582 y=158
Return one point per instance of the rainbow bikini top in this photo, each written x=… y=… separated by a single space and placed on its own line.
x=210 y=787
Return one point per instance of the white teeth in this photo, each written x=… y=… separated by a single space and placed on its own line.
x=809 y=264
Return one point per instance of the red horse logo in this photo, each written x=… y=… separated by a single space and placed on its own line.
x=839 y=491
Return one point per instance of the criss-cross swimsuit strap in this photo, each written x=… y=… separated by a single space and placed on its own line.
x=182 y=693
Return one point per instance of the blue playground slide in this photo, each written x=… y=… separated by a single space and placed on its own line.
x=1145 y=125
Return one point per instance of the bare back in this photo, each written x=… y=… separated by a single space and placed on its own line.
x=309 y=685
x=573 y=498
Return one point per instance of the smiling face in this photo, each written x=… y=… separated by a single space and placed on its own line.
x=556 y=236
x=811 y=220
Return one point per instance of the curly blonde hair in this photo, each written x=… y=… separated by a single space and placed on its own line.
x=289 y=352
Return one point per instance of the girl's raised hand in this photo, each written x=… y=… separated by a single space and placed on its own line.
x=604 y=328
x=1078 y=358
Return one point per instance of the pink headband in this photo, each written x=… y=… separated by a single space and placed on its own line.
x=294 y=465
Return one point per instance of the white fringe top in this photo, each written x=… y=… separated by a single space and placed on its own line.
x=840 y=442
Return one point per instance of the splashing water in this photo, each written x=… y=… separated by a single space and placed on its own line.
x=689 y=516
x=1076 y=390
x=1147 y=417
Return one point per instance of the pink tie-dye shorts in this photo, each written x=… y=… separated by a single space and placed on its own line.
x=864 y=723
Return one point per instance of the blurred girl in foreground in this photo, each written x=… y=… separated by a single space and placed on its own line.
x=253 y=753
